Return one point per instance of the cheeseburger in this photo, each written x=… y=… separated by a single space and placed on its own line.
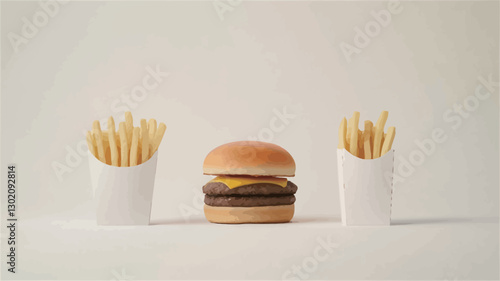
x=249 y=186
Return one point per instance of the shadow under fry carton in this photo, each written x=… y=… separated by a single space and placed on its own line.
x=365 y=187
x=123 y=195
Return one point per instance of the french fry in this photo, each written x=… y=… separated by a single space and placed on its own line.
x=367 y=145
x=118 y=145
x=105 y=144
x=349 y=128
x=96 y=131
x=96 y=125
x=152 y=128
x=112 y=142
x=372 y=133
x=91 y=143
x=129 y=121
x=379 y=133
x=139 y=148
x=354 y=134
x=372 y=137
x=361 y=153
x=367 y=135
x=389 y=139
x=145 y=140
x=124 y=144
x=134 y=146
x=107 y=155
x=158 y=136
x=342 y=134
x=105 y=136
x=382 y=143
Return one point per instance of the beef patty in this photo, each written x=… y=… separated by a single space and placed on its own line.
x=249 y=201
x=252 y=195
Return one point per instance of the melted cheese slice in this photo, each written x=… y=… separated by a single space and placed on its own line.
x=235 y=181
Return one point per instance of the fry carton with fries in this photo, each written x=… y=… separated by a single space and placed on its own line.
x=123 y=168
x=365 y=168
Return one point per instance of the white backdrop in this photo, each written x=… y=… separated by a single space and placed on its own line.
x=275 y=71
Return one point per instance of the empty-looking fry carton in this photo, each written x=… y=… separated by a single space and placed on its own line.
x=365 y=187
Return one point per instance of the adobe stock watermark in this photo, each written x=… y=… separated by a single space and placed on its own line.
x=454 y=117
x=363 y=37
x=450 y=273
x=121 y=104
x=277 y=124
x=31 y=26
x=121 y=275
x=196 y=208
x=222 y=7
x=324 y=249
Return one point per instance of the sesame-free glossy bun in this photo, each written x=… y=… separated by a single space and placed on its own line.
x=254 y=158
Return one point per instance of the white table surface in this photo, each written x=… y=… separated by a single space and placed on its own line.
x=72 y=246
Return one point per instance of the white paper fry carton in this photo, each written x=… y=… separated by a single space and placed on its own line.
x=123 y=195
x=365 y=187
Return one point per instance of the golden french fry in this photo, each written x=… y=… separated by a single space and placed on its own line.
x=139 y=148
x=112 y=142
x=104 y=136
x=134 y=146
x=369 y=124
x=379 y=133
x=107 y=155
x=96 y=131
x=105 y=143
x=107 y=150
x=101 y=152
x=158 y=136
x=91 y=143
x=367 y=139
x=119 y=152
x=342 y=134
x=129 y=122
x=145 y=140
x=367 y=146
x=361 y=153
x=152 y=128
x=381 y=144
x=372 y=137
x=349 y=128
x=96 y=125
x=389 y=139
x=354 y=134
x=124 y=144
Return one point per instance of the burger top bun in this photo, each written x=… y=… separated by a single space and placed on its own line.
x=254 y=158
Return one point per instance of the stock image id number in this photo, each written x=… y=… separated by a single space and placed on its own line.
x=11 y=197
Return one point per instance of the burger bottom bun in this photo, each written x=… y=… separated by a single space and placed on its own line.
x=263 y=214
